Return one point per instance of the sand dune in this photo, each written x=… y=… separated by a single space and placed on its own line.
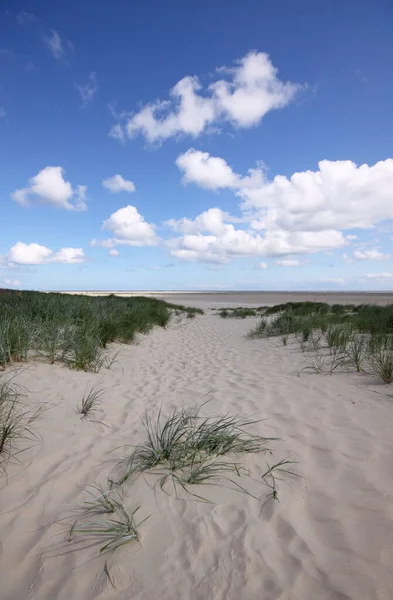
x=329 y=537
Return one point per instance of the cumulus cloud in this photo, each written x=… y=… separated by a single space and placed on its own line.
x=262 y=266
x=50 y=187
x=213 y=172
x=340 y=195
x=36 y=254
x=289 y=262
x=89 y=90
x=117 y=184
x=243 y=96
x=128 y=228
x=372 y=254
x=211 y=238
x=113 y=252
x=305 y=213
x=213 y=220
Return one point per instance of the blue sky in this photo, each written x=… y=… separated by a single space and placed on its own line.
x=210 y=145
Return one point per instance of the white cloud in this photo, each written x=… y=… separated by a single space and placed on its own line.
x=379 y=275
x=288 y=263
x=35 y=254
x=50 y=187
x=262 y=266
x=55 y=45
x=88 y=91
x=372 y=254
x=303 y=214
x=207 y=171
x=117 y=184
x=210 y=237
x=113 y=252
x=69 y=255
x=213 y=220
x=128 y=228
x=340 y=195
x=11 y=282
x=250 y=90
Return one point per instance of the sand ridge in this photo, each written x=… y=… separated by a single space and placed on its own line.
x=329 y=537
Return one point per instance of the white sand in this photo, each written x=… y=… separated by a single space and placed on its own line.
x=329 y=538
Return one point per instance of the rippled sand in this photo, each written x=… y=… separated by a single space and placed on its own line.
x=329 y=537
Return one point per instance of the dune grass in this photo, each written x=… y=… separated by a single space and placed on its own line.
x=17 y=432
x=239 y=312
x=90 y=402
x=75 y=329
x=358 y=337
x=187 y=448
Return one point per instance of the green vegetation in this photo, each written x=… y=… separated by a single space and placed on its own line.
x=182 y=451
x=90 y=402
x=17 y=432
x=358 y=337
x=73 y=329
x=188 y=448
x=239 y=312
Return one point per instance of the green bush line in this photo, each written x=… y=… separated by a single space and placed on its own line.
x=353 y=334
x=240 y=312
x=75 y=329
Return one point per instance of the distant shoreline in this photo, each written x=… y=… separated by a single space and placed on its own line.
x=245 y=298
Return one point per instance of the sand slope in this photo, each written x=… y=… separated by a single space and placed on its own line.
x=329 y=538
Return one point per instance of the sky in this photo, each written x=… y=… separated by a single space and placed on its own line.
x=196 y=146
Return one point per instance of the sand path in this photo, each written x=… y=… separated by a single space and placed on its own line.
x=329 y=538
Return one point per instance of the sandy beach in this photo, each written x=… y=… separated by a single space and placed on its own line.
x=328 y=535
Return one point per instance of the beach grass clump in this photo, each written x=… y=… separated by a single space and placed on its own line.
x=101 y=502
x=187 y=448
x=260 y=330
x=17 y=433
x=356 y=352
x=75 y=329
x=91 y=401
x=112 y=533
x=382 y=363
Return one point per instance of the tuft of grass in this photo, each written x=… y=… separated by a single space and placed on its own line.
x=16 y=420
x=114 y=532
x=90 y=402
x=356 y=353
x=102 y=502
x=187 y=448
x=321 y=364
x=284 y=339
x=382 y=363
x=259 y=330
